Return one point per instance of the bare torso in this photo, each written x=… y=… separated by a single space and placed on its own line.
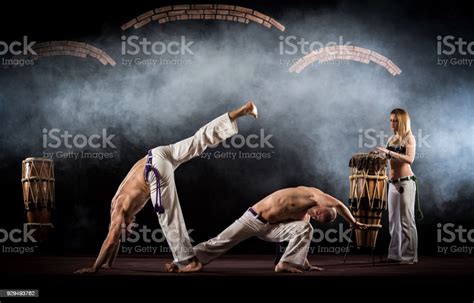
x=285 y=205
x=399 y=169
x=133 y=192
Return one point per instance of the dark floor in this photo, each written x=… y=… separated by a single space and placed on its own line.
x=243 y=265
x=440 y=277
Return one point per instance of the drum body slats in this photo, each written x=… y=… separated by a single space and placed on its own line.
x=37 y=178
x=368 y=194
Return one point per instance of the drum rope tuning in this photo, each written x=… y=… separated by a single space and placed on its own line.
x=368 y=194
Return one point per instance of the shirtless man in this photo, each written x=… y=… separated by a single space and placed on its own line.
x=153 y=177
x=282 y=216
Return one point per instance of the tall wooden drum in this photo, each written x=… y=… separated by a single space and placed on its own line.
x=368 y=194
x=37 y=180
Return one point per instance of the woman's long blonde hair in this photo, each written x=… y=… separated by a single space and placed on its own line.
x=404 y=125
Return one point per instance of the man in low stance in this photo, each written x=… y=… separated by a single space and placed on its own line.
x=282 y=216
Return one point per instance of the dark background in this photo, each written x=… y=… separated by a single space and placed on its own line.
x=212 y=198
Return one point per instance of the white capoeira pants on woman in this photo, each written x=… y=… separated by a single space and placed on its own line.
x=401 y=221
x=297 y=233
x=166 y=159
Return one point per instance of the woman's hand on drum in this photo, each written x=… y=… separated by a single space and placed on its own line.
x=358 y=225
x=87 y=270
x=383 y=150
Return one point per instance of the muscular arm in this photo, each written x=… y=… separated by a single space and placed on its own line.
x=110 y=260
x=109 y=248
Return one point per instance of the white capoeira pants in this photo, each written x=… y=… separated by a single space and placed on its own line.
x=401 y=221
x=166 y=159
x=297 y=233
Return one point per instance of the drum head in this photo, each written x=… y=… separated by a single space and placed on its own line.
x=37 y=159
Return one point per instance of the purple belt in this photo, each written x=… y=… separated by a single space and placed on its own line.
x=148 y=169
x=257 y=215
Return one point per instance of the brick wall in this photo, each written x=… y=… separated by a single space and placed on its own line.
x=205 y=12
x=345 y=52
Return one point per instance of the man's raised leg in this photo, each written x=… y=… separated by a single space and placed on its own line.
x=166 y=159
x=212 y=133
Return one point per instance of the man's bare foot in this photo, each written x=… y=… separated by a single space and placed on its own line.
x=106 y=266
x=308 y=267
x=286 y=267
x=251 y=109
x=87 y=270
x=313 y=268
x=171 y=267
x=193 y=266
x=248 y=108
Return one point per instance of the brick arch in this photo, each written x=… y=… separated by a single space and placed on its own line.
x=203 y=12
x=71 y=48
x=345 y=52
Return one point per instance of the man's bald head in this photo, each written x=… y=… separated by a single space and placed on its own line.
x=323 y=214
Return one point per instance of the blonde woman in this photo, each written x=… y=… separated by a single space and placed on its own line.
x=401 y=149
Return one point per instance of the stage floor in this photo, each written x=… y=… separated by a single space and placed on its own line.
x=439 y=278
x=242 y=265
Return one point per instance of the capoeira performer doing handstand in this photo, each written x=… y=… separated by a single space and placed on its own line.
x=153 y=176
x=281 y=216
